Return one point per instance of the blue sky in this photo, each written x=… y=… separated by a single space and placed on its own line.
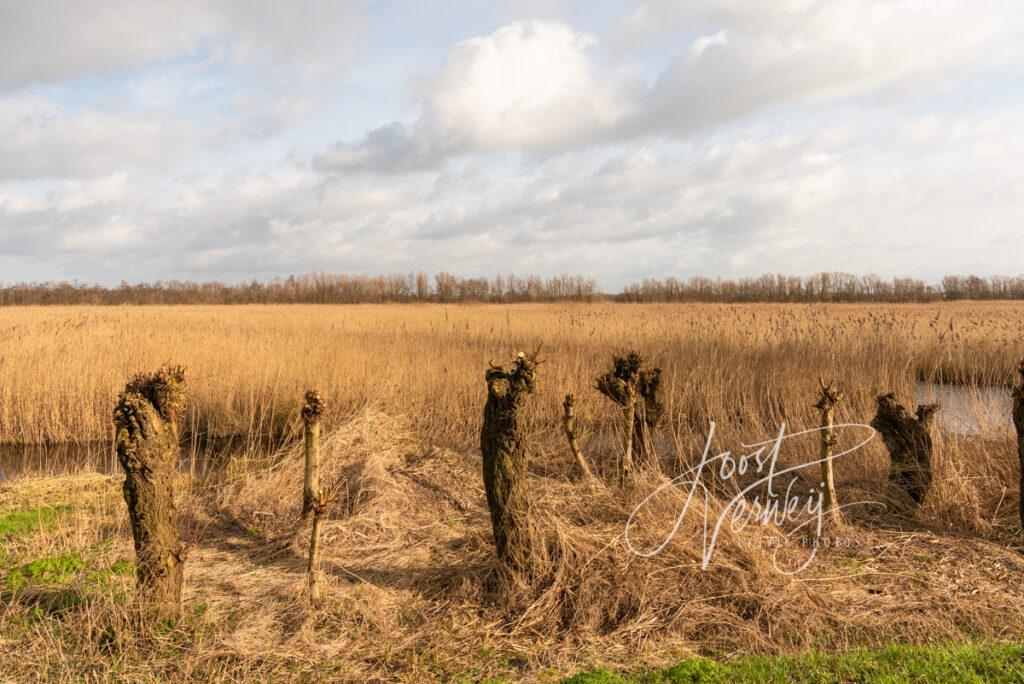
x=622 y=140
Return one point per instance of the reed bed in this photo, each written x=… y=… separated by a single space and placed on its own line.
x=62 y=367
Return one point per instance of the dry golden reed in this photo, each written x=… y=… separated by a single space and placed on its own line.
x=62 y=367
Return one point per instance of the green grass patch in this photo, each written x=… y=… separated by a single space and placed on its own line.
x=123 y=568
x=20 y=523
x=48 y=570
x=890 y=665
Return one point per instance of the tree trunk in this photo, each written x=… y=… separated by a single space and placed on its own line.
x=909 y=441
x=312 y=496
x=503 y=444
x=829 y=397
x=316 y=598
x=569 y=426
x=146 y=421
x=1018 y=423
x=311 y=411
x=632 y=435
x=635 y=390
x=648 y=412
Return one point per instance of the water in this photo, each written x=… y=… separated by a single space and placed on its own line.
x=197 y=458
x=968 y=409
x=55 y=459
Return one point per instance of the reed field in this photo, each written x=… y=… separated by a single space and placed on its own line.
x=412 y=587
x=62 y=367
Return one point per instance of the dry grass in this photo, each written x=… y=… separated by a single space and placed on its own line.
x=62 y=367
x=413 y=592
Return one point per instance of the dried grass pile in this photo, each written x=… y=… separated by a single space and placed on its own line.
x=412 y=581
x=413 y=590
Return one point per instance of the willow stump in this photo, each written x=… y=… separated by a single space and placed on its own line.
x=635 y=389
x=908 y=438
x=503 y=444
x=146 y=421
x=828 y=397
x=1018 y=423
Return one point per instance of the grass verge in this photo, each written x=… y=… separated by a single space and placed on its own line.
x=1000 y=662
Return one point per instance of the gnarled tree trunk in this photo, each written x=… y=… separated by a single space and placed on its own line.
x=503 y=445
x=635 y=389
x=909 y=441
x=146 y=421
x=1018 y=423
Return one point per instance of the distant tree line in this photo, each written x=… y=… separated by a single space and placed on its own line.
x=331 y=288
x=823 y=287
x=315 y=288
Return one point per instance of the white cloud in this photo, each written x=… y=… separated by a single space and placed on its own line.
x=78 y=194
x=113 y=234
x=537 y=86
x=530 y=85
x=90 y=89
x=39 y=139
x=46 y=41
x=51 y=40
x=726 y=205
x=810 y=52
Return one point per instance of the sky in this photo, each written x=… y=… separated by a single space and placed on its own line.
x=238 y=139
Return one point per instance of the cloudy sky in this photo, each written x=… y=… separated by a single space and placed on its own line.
x=234 y=139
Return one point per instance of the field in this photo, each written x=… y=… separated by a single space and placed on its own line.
x=62 y=367
x=407 y=549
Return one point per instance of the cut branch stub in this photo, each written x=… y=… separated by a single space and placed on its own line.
x=503 y=445
x=146 y=422
x=635 y=389
x=1018 y=423
x=909 y=441
x=828 y=397
x=312 y=407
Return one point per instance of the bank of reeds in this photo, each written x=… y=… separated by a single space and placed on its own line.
x=62 y=367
